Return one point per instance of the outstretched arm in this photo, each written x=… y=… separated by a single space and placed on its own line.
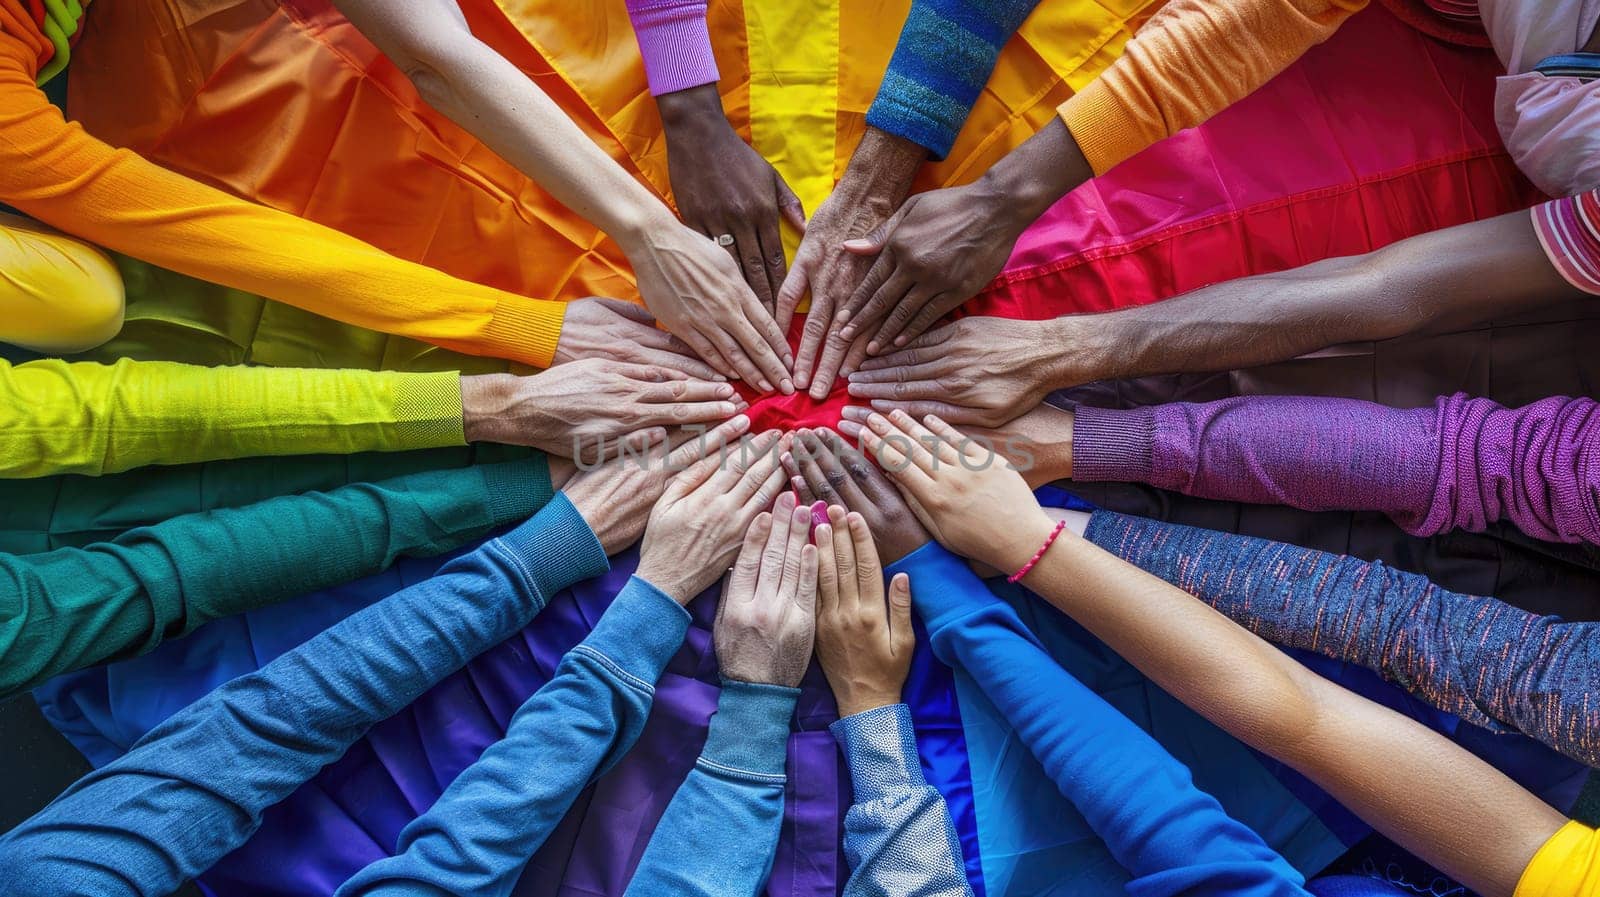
x=687 y=281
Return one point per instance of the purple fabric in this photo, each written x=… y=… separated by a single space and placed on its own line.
x=352 y=813
x=1463 y=464
x=675 y=43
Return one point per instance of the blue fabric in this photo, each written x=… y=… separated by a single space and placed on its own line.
x=481 y=833
x=1169 y=835
x=898 y=837
x=196 y=786
x=1585 y=66
x=946 y=53
x=719 y=834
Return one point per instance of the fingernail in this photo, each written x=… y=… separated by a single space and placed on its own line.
x=725 y=391
x=718 y=378
x=850 y=428
x=765 y=386
x=854 y=388
x=900 y=340
x=855 y=413
x=847 y=333
x=819 y=513
x=842 y=316
x=728 y=409
x=740 y=422
x=786 y=387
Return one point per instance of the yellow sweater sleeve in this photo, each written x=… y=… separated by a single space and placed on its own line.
x=1568 y=865
x=1193 y=59
x=94 y=419
x=59 y=174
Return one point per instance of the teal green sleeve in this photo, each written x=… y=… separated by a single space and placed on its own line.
x=76 y=607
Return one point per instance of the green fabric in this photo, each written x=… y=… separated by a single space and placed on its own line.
x=75 y=607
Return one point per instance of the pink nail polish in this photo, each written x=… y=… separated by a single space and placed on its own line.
x=819 y=513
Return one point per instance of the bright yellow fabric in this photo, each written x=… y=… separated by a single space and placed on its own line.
x=59 y=174
x=1568 y=865
x=1193 y=59
x=57 y=294
x=94 y=419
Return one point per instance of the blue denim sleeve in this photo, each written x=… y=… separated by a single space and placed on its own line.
x=1171 y=836
x=719 y=835
x=194 y=788
x=946 y=53
x=898 y=836
x=488 y=823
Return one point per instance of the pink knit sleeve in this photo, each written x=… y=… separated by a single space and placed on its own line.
x=675 y=43
x=1569 y=231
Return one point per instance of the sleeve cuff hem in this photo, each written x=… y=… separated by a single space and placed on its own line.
x=1106 y=138
x=427 y=410
x=556 y=548
x=677 y=51
x=526 y=330
x=932 y=134
x=880 y=748
x=640 y=631
x=749 y=734
x=517 y=489
x=1113 y=445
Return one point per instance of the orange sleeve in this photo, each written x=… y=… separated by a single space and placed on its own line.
x=1193 y=59
x=1568 y=865
x=59 y=174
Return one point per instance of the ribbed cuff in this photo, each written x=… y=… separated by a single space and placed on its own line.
x=676 y=45
x=427 y=410
x=1101 y=127
x=525 y=330
x=640 y=632
x=517 y=489
x=1113 y=445
x=556 y=549
x=880 y=748
x=894 y=116
x=749 y=735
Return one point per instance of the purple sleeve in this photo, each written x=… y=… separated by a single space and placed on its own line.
x=1463 y=464
x=675 y=43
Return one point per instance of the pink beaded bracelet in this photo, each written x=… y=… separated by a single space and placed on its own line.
x=1060 y=525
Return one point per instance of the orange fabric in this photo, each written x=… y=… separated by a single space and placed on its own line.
x=1193 y=59
x=59 y=174
x=18 y=24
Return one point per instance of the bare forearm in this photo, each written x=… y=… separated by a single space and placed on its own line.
x=1434 y=282
x=881 y=171
x=1417 y=787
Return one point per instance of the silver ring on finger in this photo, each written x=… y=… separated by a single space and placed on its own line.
x=725 y=239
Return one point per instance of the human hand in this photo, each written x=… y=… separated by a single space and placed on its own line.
x=969 y=498
x=864 y=644
x=983 y=371
x=1038 y=444
x=823 y=467
x=767 y=617
x=723 y=186
x=577 y=407
x=615 y=497
x=696 y=526
x=696 y=290
x=621 y=331
x=874 y=185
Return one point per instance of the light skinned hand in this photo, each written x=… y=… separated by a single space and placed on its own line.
x=864 y=642
x=723 y=186
x=968 y=498
x=983 y=371
x=576 y=409
x=697 y=525
x=696 y=290
x=614 y=497
x=597 y=327
x=822 y=467
x=767 y=617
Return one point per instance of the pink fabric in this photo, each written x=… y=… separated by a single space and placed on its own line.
x=1569 y=231
x=1551 y=125
x=675 y=43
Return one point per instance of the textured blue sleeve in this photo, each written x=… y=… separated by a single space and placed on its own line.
x=898 y=836
x=1171 y=836
x=719 y=835
x=488 y=823
x=194 y=788
x=946 y=53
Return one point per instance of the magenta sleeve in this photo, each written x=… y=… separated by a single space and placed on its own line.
x=675 y=43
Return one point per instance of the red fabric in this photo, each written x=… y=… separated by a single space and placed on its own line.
x=1443 y=20
x=1377 y=135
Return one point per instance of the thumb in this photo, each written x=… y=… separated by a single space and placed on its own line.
x=900 y=612
x=789 y=204
x=628 y=310
x=874 y=241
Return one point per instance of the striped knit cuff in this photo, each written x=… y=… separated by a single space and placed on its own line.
x=556 y=548
x=880 y=748
x=517 y=489
x=525 y=330
x=1108 y=444
x=1569 y=231
x=1101 y=127
x=676 y=46
x=427 y=410
x=749 y=734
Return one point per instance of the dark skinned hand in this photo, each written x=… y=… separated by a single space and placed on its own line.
x=823 y=467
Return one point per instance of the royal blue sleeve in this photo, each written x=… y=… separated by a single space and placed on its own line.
x=946 y=53
x=1171 y=836
x=898 y=836
x=484 y=828
x=719 y=835
x=194 y=788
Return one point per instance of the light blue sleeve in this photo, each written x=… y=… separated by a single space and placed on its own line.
x=486 y=826
x=719 y=835
x=898 y=836
x=193 y=789
x=1172 y=837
